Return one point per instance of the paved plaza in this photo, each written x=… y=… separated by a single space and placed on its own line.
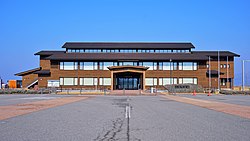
x=125 y=118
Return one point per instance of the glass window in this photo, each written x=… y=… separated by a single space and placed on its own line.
x=149 y=81
x=105 y=81
x=174 y=65
x=228 y=66
x=166 y=66
x=167 y=81
x=195 y=65
x=68 y=65
x=88 y=66
x=61 y=81
x=155 y=66
x=106 y=65
x=180 y=65
x=188 y=81
x=128 y=63
x=155 y=81
x=195 y=81
x=88 y=81
x=160 y=65
x=187 y=66
x=115 y=63
x=148 y=64
x=68 y=81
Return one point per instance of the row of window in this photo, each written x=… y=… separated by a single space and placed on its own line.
x=127 y=51
x=223 y=66
x=151 y=65
x=85 y=81
x=107 y=81
x=168 y=81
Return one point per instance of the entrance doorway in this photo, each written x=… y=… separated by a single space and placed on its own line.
x=128 y=81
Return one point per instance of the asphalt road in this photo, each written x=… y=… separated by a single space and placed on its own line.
x=146 y=118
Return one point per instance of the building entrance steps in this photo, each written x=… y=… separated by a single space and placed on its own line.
x=131 y=92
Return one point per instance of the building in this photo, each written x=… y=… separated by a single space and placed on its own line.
x=130 y=65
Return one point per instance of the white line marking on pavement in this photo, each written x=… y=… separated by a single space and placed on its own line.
x=127 y=112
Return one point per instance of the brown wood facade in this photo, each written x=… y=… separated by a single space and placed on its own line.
x=53 y=65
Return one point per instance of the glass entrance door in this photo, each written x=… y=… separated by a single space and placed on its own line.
x=128 y=81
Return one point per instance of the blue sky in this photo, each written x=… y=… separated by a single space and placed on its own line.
x=29 y=26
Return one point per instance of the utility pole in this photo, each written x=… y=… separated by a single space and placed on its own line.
x=209 y=73
x=171 y=74
x=227 y=74
x=218 y=70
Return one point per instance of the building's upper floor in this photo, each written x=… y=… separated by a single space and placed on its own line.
x=129 y=51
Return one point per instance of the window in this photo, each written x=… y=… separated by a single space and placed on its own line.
x=88 y=65
x=228 y=66
x=105 y=81
x=105 y=65
x=223 y=81
x=188 y=66
x=68 y=65
x=148 y=64
x=167 y=81
x=225 y=66
x=155 y=66
x=195 y=65
x=88 y=81
x=188 y=81
x=166 y=65
x=151 y=81
x=221 y=66
x=207 y=66
x=160 y=65
x=68 y=81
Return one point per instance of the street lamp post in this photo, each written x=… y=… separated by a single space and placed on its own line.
x=171 y=74
x=243 y=71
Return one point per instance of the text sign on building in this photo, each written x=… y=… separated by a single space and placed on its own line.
x=53 y=83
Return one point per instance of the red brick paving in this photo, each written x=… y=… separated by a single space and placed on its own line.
x=25 y=108
x=233 y=109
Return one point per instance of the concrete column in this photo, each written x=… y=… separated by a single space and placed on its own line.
x=143 y=80
x=112 y=80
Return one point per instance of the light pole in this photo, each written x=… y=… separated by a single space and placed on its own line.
x=209 y=73
x=243 y=68
x=218 y=70
x=170 y=74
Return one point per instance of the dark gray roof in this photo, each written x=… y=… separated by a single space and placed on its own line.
x=127 y=56
x=215 y=53
x=44 y=72
x=127 y=45
x=45 y=52
x=28 y=71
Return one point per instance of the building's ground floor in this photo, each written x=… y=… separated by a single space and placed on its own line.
x=123 y=77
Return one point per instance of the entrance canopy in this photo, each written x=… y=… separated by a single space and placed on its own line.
x=128 y=77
